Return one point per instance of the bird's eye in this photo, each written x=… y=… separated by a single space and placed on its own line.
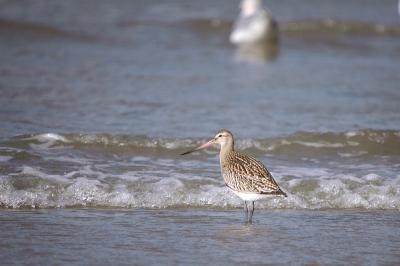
x=220 y=136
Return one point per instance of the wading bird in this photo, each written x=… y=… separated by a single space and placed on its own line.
x=244 y=175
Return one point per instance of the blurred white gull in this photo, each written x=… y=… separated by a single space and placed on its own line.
x=254 y=24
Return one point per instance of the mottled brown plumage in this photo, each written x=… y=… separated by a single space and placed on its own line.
x=244 y=175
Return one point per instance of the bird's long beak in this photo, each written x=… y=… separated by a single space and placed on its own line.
x=205 y=145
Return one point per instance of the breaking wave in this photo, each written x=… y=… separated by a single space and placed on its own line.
x=83 y=170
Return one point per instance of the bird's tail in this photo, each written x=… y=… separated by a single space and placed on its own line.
x=277 y=193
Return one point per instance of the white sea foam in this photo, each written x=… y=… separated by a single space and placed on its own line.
x=372 y=177
x=320 y=144
x=306 y=189
x=72 y=160
x=47 y=141
x=353 y=143
x=351 y=134
x=47 y=137
x=5 y=158
x=300 y=172
x=352 y=154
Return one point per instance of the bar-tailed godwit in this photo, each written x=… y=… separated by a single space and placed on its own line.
x=244 y=175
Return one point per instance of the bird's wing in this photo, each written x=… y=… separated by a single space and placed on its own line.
x=251 y=172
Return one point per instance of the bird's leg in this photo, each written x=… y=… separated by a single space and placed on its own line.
x=251 y=209
x=246 y=211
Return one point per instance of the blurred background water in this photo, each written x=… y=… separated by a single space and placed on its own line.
x=99 y=98
x=167 y=69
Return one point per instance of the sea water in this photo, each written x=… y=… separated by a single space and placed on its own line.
x=98 y=99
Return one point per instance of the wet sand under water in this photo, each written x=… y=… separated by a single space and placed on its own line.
x=200 y=236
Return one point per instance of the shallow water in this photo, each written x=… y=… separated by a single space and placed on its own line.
x=98 y=99
x=186 y=236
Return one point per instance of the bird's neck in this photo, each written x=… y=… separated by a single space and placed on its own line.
x=226 y=149
x=251 y=7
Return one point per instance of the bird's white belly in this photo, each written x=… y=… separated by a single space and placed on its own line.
x=255 y=32
x=252 y=196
